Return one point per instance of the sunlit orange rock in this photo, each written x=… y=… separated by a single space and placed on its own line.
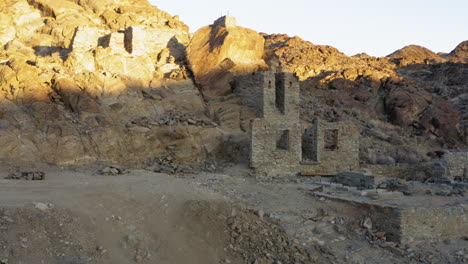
x=222 y=50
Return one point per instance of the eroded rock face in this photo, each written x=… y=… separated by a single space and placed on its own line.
x=86 y=81
x=222 y=50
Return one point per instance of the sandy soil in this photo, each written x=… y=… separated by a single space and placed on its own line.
x=142 y=217
x=78 y=216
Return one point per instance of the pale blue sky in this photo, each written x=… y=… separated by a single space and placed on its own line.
x=377 y=27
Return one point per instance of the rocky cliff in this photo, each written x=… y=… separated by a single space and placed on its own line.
x=124 y=82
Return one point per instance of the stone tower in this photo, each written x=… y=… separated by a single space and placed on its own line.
x=276 y=131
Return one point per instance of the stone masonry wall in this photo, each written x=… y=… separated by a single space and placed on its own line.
x=85 y=38
x=343 y=156
x=414 y=224
x=117 y=42
x=266 y=158
x=141 y=40
x=225 y=21
x=250 y=89
x=275 y=133
x=456 y=164
x=434 y=224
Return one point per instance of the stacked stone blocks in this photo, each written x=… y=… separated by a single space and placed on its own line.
x=456 y=164
x=330 y=147
x=226 y=22
x=275 y=132
x=359 y=180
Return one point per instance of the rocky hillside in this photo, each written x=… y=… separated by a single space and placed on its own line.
x=408 y=103
x=85 y=81
x=124 y=82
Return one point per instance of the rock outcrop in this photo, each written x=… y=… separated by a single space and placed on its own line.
x=460 y=53
x=86 y=81
x=363 y=88
x=222 y=50
x=414 y=54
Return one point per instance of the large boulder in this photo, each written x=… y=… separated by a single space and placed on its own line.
x=403 y=106
x=442 y=118
x=222 y=50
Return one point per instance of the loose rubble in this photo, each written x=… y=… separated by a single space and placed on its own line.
x=29 y=176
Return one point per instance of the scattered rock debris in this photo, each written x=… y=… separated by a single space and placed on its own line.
x=27 y=175
x=262 y=241
x=113 y=171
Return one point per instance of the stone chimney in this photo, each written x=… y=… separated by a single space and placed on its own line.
x=225 y=21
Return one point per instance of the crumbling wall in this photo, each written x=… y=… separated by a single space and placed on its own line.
x=456 y=164
x=249 y=87
x=85 y=38
x=141 y=40
x=267 y=157
x=117 y=42
x=359 y=179
x=333 y=147
x=412 y=224
x=433 y=224
x=275 y=134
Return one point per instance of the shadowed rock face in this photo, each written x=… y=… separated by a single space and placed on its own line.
x=220 y=51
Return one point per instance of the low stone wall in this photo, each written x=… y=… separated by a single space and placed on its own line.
x=359 y=179
x=433 y=224
x=411 y=224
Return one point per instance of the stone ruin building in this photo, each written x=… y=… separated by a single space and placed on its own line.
x=275 y=132
x=225 y=21
x=330 y=147
x=280 y=145
x=135 y=40
x=455 y=166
